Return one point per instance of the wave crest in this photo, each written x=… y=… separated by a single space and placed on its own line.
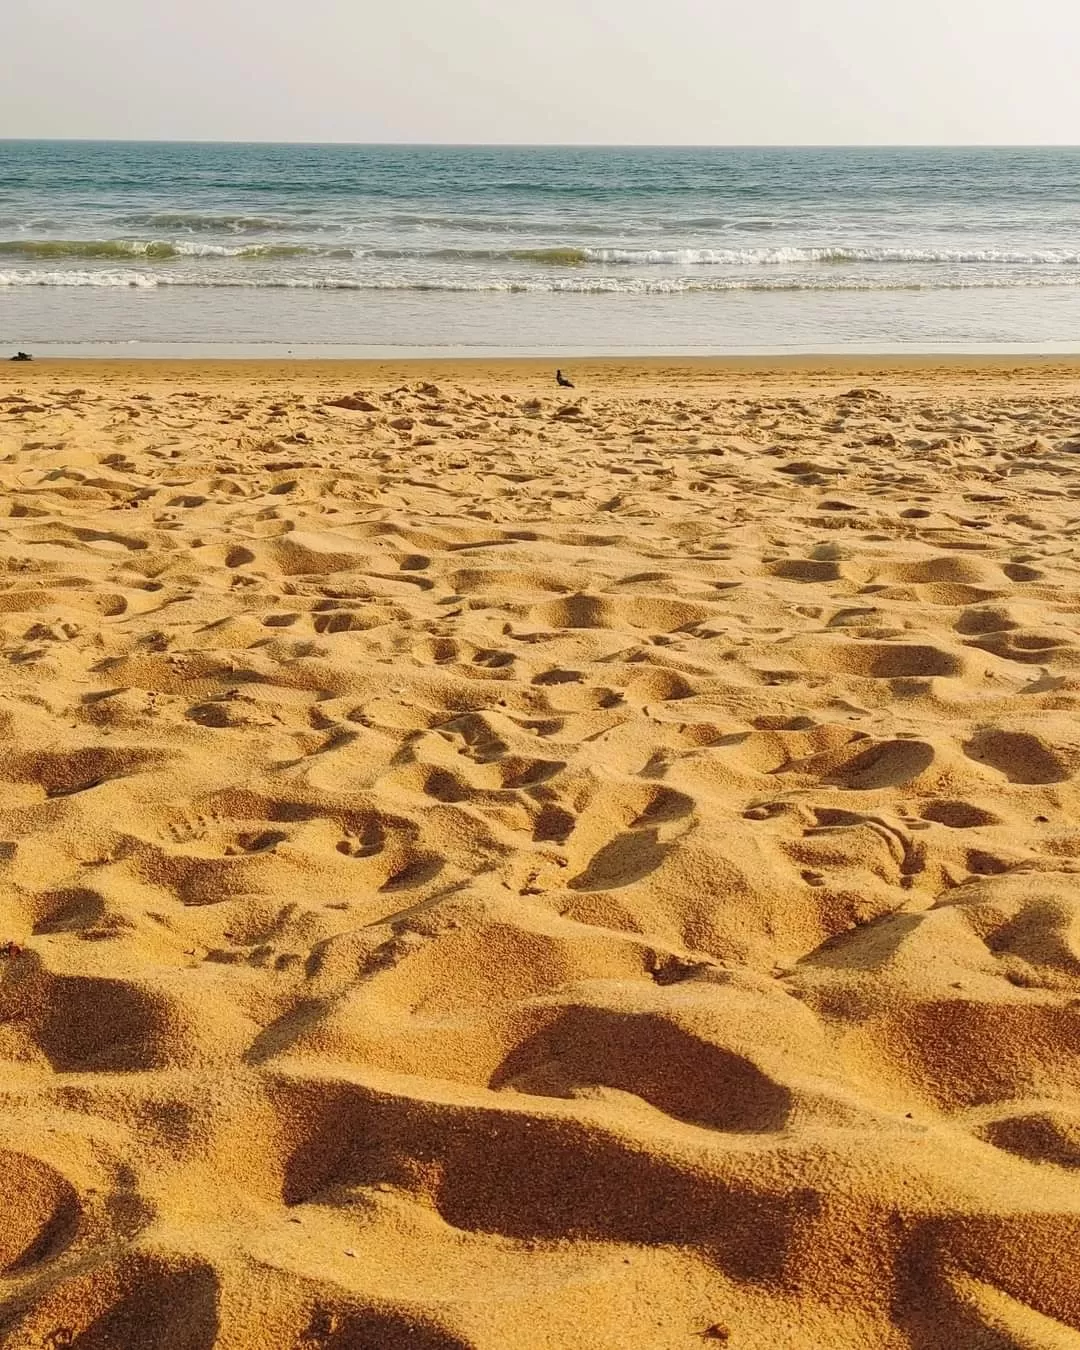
x=569 y=255
x=156 y=249
x=193 y=222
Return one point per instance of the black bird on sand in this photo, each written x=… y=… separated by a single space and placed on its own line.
x=562 y=381
x=22 y=356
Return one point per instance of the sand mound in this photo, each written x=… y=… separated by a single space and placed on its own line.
x=479 y=872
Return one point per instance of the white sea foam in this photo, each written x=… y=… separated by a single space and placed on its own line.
x=595 y=285
x=81 y=278
x=780 y=257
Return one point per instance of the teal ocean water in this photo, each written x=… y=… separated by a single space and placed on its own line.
x=534 y=249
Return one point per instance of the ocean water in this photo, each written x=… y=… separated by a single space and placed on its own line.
x=364 y=248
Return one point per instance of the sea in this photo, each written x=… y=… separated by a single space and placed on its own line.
x=137 y=248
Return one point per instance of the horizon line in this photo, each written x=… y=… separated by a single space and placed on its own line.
x=548 y=145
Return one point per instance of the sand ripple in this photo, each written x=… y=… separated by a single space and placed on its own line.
x=483 y=871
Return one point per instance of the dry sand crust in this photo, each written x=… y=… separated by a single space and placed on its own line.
x=488 y=871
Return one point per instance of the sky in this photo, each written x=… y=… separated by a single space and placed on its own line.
x=623 y=72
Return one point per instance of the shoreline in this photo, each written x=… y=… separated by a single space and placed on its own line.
x=639 y=379
x=801 y=363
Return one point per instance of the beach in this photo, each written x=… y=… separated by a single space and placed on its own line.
x=490 y=865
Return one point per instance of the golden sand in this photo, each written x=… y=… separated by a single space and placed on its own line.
x=489 y=867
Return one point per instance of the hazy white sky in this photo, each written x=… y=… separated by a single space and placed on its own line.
x=584 y=71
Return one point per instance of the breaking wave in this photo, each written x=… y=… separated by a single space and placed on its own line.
x=569 y=256
x=585 y=285
x=156 y=249
x=780 y=257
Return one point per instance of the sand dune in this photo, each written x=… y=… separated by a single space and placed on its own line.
x=484 y=870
